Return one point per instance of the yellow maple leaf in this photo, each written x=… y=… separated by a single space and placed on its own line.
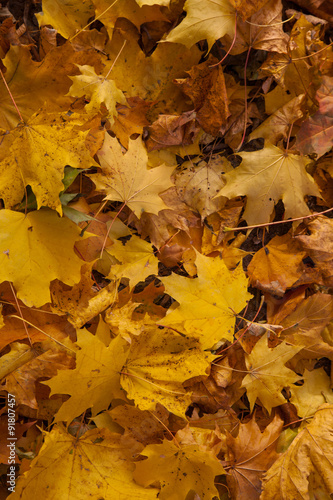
x=96 y=378
x=306 y=466
x=126 y=177
x=267 y=176
x=108 y=12
x=179 y=469
x=137 y=259
x=36 y=154
x=36 y=249
x=267 y=374
x=121 y=322
x=157 y=365
x=206 y=19
x=99 y=89
x=66 y=16
x=151 y=78
x=209 y=303
x=58 y=467
x=315 y=391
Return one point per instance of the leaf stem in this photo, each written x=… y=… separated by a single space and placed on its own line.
x=228 y=229
x=11 y=96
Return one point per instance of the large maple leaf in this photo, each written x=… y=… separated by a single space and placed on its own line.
x=66 y=16
x=36 y=154
x=36 y=249
x=206 y=19
x=96 y=378
x=305 y=470
x=209 y=303
x=179 y=469
x=126 y=177
x=157 y=365
x=58 y=467
x=267 y=176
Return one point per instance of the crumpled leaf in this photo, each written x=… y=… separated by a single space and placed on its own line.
x=172 y=130
x=106 y=461
x=206 y=87
x=208 y=304
x=248 y=455
x=36 y=249
x=206 y=19
x=305 y=324
x=247 y=8
x=267 y=374
x=36 y=154
x=126 y=177
x=316 y=133
x=264 y=29
x=307 y=463
x=267 y=176
x=179 y=469
x=317 y=244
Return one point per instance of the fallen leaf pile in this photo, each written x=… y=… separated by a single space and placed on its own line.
x=166 y=257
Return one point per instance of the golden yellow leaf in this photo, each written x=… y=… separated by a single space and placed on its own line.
x=66 y=16
x=126 y=177
x=277 y=126
x=137 y=259
x=307 y=465
x=209 y=303
x=157 y=365
x=267 y=176
x=151 y=78
x=96 y=378
x=99 y=89
x=108 y=12
x=57 y=471
x=121 y=322
x=267 y=374
x=315 y=391
x=277 y=266
x=36 y=249
x=36 y=154
x=206 y=19
x=179 y=469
